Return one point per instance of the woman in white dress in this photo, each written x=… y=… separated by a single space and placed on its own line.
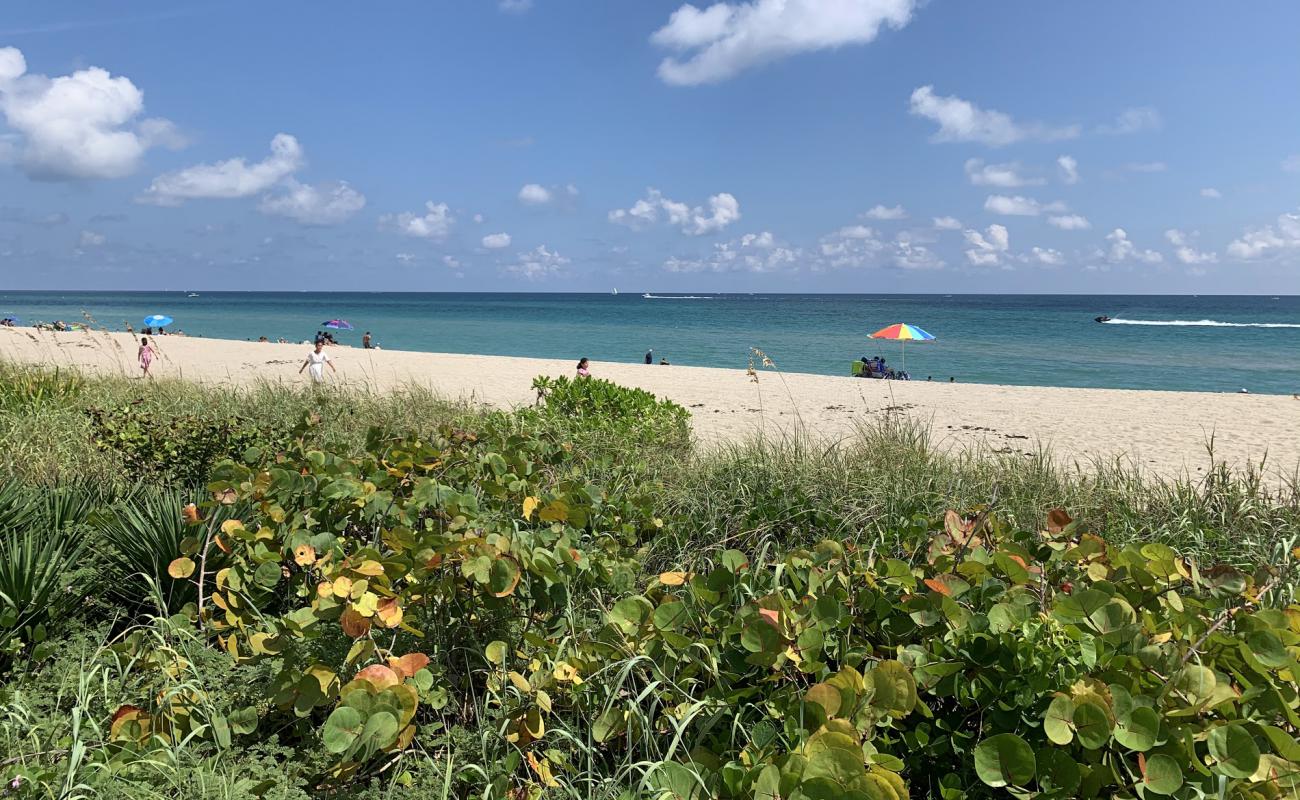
x=317 y=359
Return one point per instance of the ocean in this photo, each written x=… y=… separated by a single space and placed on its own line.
x=1198 y=343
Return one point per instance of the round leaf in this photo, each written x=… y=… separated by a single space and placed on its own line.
x=1092 y=725
x=1005 y=760
x=496 y=652
x=503 y=577
x=1058 y=774
x=181 y=568
x=342 y=729
x=1162 y=774
x=1235 y=751
x=1138 y=729
x=1058 y=722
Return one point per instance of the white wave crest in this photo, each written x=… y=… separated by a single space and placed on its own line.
x=1201 y=323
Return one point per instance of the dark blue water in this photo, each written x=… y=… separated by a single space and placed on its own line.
x=1016 y=339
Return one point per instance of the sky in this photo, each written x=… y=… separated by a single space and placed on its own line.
x=558 y=145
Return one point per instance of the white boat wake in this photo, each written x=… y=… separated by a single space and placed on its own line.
x=1200 y=323
x=675 y=297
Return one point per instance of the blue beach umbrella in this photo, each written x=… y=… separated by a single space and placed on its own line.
x=338 y=324
x=157 y=321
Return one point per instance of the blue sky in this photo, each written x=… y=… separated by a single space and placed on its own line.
x=553 y=145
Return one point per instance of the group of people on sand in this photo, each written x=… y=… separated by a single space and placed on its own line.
x=875 y=367
x=8 y=322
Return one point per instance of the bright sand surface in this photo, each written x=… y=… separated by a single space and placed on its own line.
x=1165 y=432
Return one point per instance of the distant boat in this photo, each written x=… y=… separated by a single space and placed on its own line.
x=192 y=294
x=614 y=292
x=1101 y=319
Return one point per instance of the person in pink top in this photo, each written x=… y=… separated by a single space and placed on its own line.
x=145 y=355
x=584 y=370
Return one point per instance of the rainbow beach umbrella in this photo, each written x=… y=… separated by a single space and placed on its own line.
x=338 y=324
x=904 y=333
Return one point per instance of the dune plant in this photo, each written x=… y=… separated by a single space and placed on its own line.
x=34 y=591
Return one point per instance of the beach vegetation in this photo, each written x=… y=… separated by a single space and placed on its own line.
x=366 y=601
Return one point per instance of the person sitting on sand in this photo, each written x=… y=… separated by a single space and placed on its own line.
x=584 y=368
x=145 y=355
x=663 y=362
x=317 y=359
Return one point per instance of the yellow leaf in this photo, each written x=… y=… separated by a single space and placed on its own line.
x=370 y=568
x=530 y=505
x=304 y=555
x=232 y=525
x=342 y=587
x=181 y=568
x=389 y=613
x=367 y=604
x=325 y=588
x=672 y=578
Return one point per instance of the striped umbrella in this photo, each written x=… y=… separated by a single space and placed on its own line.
x=338 y=324
x=903 y=332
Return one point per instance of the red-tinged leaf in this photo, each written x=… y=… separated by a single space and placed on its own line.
x=770 y=615
x=409 y=664
x=1057 y=520
x=380 y=676
x=939 y=586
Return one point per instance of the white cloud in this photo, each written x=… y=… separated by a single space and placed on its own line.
x=538 y=264
x=496 y=241
x=1069 y=169
x=947 y=223
x=1260 y=242
x=856 y=232
x=232 y=178
x=726 y=38
x=1122 y=249
x=1184 y=250
x=1003 y=175
x=434 y=224
x=723 y=210
x=1017 y=206
x=405 y=258
x=323 y=204
x=80 y=126
x=1212 y=193
x=1047 y=256
x=534 y=194
x=514 y=6
x=962 y=121
x=451 y=262
x=886 y=212
x=851 y=246
x=1070 y=222
x=753 y=252
x=1147 y=166
x=987 y=249
x=910 y=254
x=1291 y=163
x=91 y=239
x=1133 y=120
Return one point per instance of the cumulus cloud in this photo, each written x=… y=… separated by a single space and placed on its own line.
x=1070 y=222
x=850 y=246
x=753 y=252
x=1211 y=192
x=538 y=264
x=988 y=248
x=1268 y=240
x=1133 y=120
x=886 y=212
x=228 y=179
x=947 y=223
x=962 y=121
x=496 y=241
x=1017 y=206
x=1002 y=175
x=435 y=223
x=322 y=204
x=535 y=194
x=1147 y=166
x=723 y=209
x=81 y=126
x=91 y=239
x=1046 y=256
x=1122 y=249
x=1069 y=169
x=718 y=42
x=1184 y=250
x=911 y=254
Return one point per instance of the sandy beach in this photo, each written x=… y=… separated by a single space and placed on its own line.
x=1164 y=432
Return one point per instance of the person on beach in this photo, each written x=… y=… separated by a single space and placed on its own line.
x=650 y=356
x=584 y=368
x=365 y=340
x=145 y=355
x=317 y=359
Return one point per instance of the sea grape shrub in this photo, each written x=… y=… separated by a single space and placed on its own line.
x=598 y=406
x=365 y=577
x=180 y=449
x=990 y=663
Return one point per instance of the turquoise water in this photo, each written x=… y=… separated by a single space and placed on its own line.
x=1183 y=343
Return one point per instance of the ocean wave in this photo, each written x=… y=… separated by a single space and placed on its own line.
x=1201 y=323
x=675 y=297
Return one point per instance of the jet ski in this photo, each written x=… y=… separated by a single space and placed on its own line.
x=1101 y=319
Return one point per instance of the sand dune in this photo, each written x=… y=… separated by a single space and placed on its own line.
x=1165 y=432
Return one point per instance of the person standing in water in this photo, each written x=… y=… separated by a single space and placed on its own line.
x=365 y=341
x=145 y=355
x=317 y=359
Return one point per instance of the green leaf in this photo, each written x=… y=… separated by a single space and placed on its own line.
x=761 y=636
x=1058 y=722
x=1235 y=750
x=1138 y=729
x=629 y=614
x=1163 y=775
x=1092 y=725
x=244 y=720
x=895 y=688
x=342 y=729
x=1195 y=682
x=1005 y=760
x=1268 y=648
x=496 y=652
x=267 y=575
x=1058 y=774
x=670 y=615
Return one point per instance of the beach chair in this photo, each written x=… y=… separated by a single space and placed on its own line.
x=857 y=369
